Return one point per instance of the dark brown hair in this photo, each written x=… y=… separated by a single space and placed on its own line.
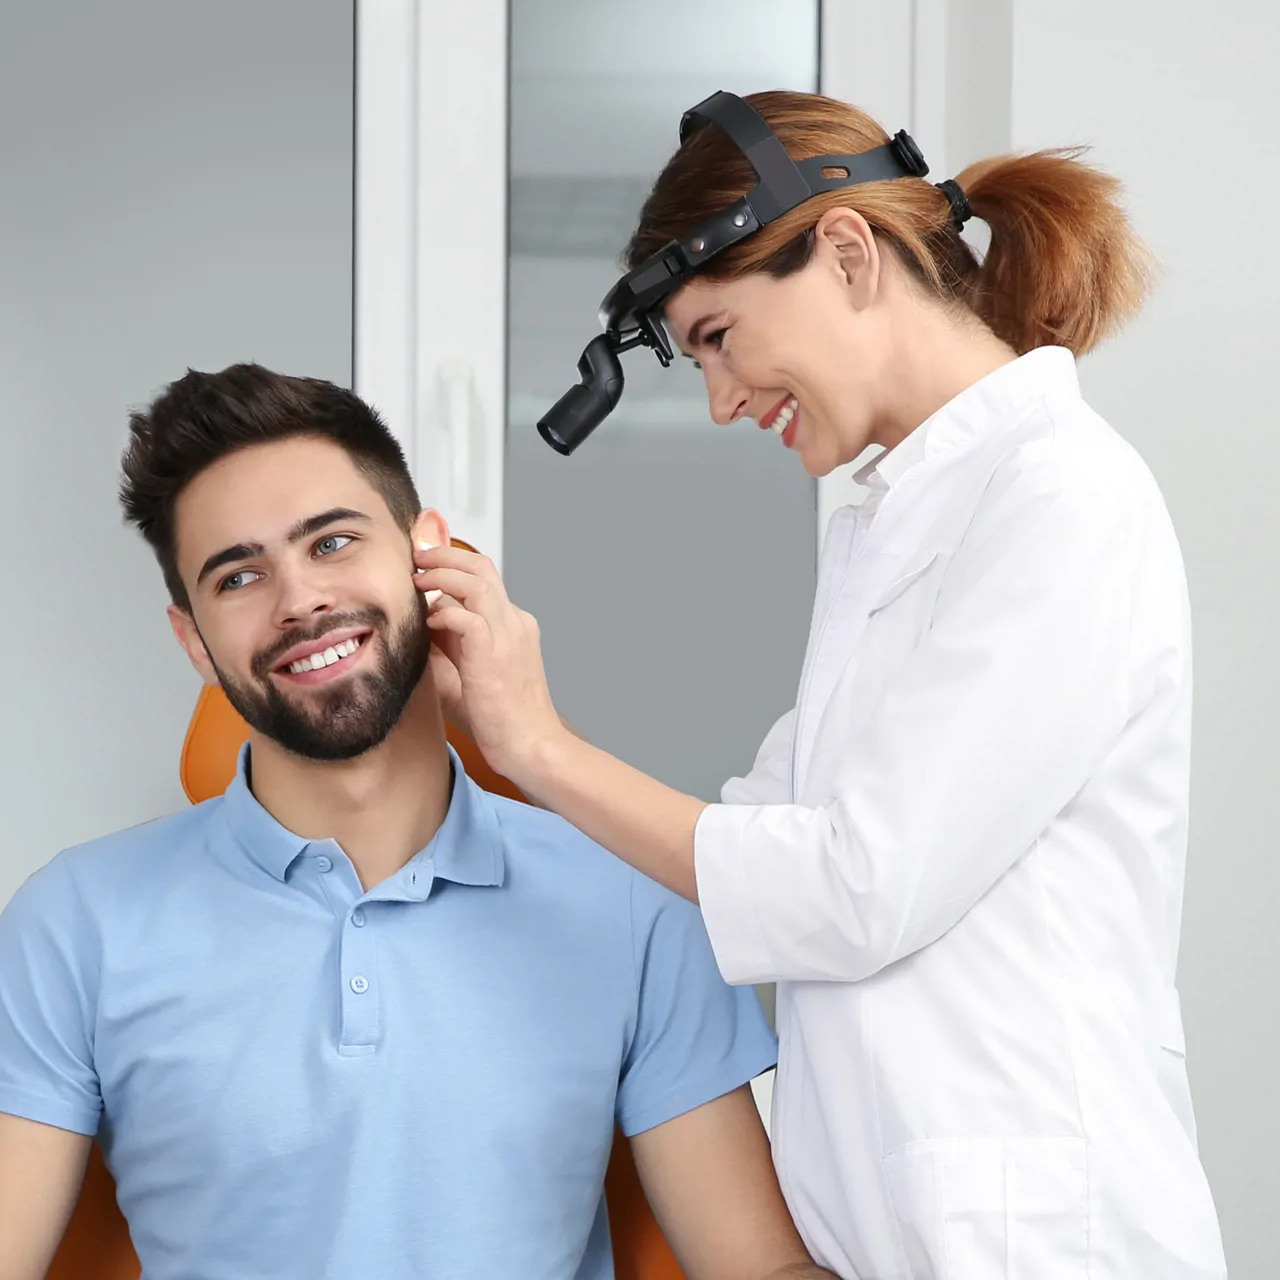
x=203 y=417
x=1064 y=266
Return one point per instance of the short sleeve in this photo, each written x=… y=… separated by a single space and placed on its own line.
x=696 y=1038
x=48 y=984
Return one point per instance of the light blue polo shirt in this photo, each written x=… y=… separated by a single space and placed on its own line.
x=294 y=1079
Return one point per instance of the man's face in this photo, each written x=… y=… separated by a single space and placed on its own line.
x=303 y=605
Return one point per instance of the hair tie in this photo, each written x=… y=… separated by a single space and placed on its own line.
x=961 y=210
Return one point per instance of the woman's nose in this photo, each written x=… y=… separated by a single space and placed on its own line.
x=727 y=399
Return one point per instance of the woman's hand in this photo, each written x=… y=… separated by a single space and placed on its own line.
x=490 y=659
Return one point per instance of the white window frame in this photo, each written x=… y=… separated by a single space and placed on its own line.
x=431 y=246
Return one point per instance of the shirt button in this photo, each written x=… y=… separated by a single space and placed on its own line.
x=359 y=984
x=323 y=863
x=357 y=918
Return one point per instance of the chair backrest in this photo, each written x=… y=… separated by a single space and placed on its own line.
x=97 y=1245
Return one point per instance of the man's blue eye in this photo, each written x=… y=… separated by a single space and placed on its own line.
x=334 y=542
x=232 y=582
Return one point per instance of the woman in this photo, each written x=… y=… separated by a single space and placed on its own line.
x=961 y=855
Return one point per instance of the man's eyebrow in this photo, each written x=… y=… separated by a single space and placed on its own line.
x=303 y=529
x=229 y=555
x=313 y=524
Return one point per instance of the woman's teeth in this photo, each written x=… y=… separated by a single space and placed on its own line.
x=785 y=416
x=335 y=653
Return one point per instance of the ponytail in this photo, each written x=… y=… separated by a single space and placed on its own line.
x=1064 y=266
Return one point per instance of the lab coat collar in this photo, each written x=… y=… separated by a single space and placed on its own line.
x=1002 y=398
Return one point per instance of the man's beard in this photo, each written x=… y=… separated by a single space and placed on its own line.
x=355 y=715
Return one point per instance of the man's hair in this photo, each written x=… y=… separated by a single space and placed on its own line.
x=204 y=417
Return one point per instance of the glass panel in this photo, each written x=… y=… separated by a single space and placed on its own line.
x=670 y=562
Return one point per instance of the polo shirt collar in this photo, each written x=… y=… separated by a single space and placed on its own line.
x=467 y=848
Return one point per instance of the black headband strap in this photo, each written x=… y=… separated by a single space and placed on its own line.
x=784 y=183
x=782 y=186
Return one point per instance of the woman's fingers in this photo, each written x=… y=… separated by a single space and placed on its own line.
x=461 y=624
x=457 y=557
x=477 y=594
x=470 y=562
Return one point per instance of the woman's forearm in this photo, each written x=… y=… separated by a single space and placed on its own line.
x=643 y=822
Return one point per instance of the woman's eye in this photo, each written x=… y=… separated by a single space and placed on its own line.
x=334 y=542
x=235 y=581
x=713 y=340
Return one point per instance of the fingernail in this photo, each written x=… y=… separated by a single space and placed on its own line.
x=429 y=596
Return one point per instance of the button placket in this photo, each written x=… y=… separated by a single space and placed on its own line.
x=359 y=994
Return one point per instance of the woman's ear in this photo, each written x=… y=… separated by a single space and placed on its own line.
x=845 y=242
x=430 y=530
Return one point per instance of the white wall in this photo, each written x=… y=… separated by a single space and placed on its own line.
x=176 y=190
x=1181 y=101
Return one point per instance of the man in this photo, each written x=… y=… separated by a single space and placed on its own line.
x=356 y=1018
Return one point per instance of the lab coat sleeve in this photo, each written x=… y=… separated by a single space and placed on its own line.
x=1011 y=700
x=769 y=781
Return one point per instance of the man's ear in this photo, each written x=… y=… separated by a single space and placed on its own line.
x=430 y=530
x=188 y=636
x=845 y=241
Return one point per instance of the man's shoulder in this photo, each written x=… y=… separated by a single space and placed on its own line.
x=88 y=885
x=537 y=834
x=134 y=854
x=149 y=838
x=546 y=847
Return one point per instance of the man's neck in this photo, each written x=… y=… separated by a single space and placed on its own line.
x=381 y=808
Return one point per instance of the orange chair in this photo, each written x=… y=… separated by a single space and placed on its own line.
x=97 y=1245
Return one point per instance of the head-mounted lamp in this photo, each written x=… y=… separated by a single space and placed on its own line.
x=631 y=312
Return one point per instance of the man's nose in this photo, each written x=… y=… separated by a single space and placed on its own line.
x=302 y=595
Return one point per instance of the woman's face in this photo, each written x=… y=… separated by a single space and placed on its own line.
x=802 y=355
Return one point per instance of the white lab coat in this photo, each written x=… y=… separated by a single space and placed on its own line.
x=961 y=857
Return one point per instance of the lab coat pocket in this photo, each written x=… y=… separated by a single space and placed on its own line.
x=992 y=1208
x=904 y=580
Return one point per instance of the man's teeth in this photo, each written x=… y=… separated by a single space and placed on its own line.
x=327 y=658
x=785 y=416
